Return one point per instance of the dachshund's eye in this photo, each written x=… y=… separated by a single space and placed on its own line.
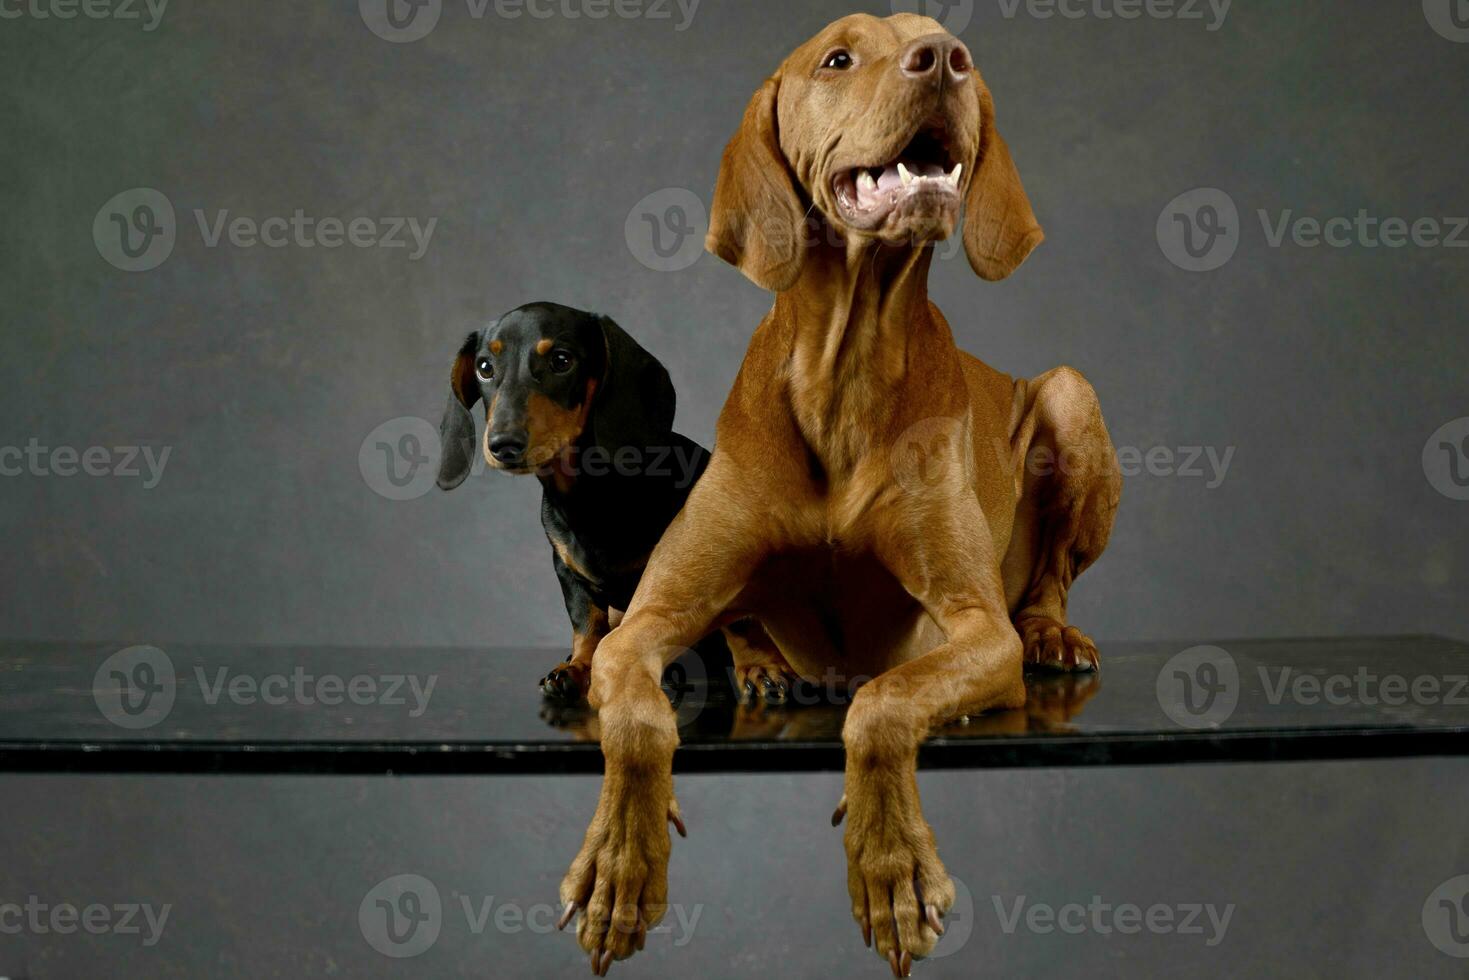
x=838 y=61
x=561 y=361
x=484 y=369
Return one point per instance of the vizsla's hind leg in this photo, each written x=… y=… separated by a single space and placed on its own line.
x=760 y=669
x=1071 y=488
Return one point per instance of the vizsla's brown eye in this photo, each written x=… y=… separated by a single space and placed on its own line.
x=484 y=369
x=838 y=61
x=561 y=361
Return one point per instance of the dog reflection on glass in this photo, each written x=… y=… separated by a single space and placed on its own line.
x=572 y=399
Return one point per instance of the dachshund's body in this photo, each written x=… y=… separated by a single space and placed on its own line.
x=571 y=398
x=889 y=507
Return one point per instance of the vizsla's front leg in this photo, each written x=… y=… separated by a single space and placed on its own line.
x=619 y=880
x=940 y=550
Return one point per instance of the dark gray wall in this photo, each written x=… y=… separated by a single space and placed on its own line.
x=1323 y=871
x=531 y=141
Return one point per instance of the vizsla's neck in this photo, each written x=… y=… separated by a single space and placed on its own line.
x=854 y=315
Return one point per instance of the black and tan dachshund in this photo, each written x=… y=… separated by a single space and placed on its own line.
x=571 y=398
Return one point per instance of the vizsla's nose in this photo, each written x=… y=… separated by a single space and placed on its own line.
x=934 y=56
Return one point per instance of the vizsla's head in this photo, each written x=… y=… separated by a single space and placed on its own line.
x=885 y=126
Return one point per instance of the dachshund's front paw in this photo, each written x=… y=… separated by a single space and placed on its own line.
x=1054 y=646
x=899 y=888
x=619 y=882
x=567 y=682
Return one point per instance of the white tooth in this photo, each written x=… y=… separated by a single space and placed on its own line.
x=866 y=183
x=958 y=172
x=903 y=173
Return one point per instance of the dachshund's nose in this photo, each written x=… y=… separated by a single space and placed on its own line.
x=508 y=447
x=934 y=56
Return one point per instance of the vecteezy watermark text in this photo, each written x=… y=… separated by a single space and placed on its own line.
x=137 y=229
x=405 y=21
x=88 y=9
x=1201 y=229
x=302 y=688
x=1104 y=918
x=37 y=917
x=35 y=459
x=399 y=460
x=1216 y=11
x=403 y=916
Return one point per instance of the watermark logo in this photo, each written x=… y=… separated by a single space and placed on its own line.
x=665 y=230
x=1199 y=688
x=90 y=9
x=1446 y=459
x=686 y=683
x=135 y=688
x=1448 y=18
x=401 y=916
x=1102 y=918
x=1199 y=230
x=135 y=231
x=958 y=922
x=1216 y=11
x=401 y=21
x=399 y=459
x=929 y=456
x=1446 y=917
x=953 y=14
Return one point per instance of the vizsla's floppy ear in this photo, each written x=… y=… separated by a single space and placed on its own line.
x=633 y=405
x=757 y=223
x=456 y=431
x=1000 y=229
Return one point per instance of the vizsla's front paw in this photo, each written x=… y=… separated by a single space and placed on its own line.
x=899 y=888
x=567 y=683
x=619 y=882
x=1054 y=646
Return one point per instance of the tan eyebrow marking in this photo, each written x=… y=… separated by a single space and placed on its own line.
x=544 y=347
x=496 y=347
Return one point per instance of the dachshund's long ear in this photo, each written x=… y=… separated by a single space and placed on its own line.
x=456 y=431
x=1000 y=229
x=633 y=405
x=757 y=223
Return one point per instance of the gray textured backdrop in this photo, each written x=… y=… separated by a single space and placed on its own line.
x=532 y=141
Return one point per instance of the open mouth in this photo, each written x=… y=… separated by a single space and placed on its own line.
x=924 y=171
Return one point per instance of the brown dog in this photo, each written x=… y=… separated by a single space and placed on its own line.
x=938 y=573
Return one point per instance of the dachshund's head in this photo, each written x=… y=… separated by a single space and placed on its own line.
x=552 y=379
x=886 y=127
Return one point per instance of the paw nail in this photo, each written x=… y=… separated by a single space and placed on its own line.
x=893 y=962
x=606 y=963
x=866 y=935
x=678 y=824
x=934 y=922
x=566 y=916
x=839 y=813
x=906 y=964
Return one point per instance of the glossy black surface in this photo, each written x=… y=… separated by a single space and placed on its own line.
x=1287 y=700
